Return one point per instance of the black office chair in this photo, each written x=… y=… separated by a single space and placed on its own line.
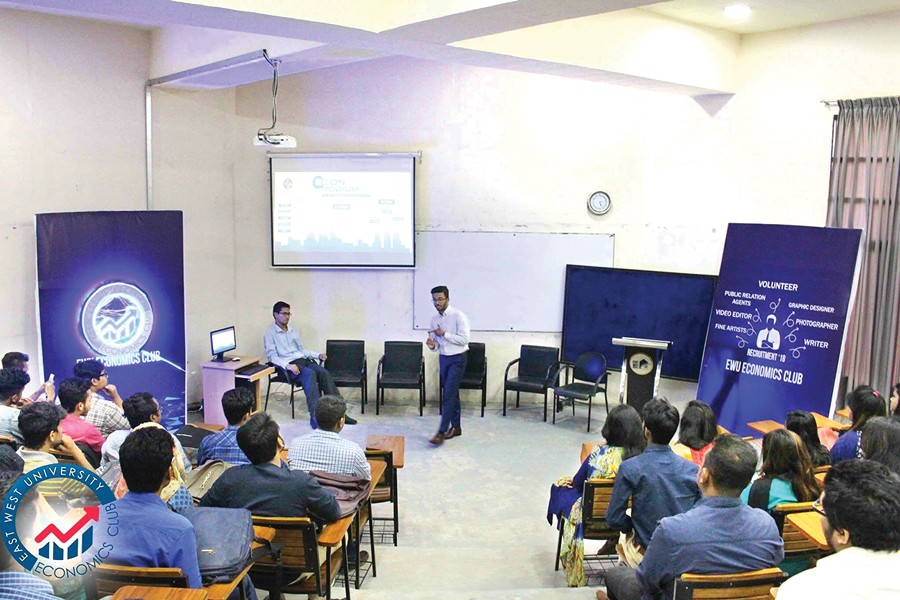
x=538 y=371
x=475 y=377
x=348 y=366
x=401 y=367
x=590 y=378
x=280 y=376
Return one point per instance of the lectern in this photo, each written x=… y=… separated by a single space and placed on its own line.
x=641 y=369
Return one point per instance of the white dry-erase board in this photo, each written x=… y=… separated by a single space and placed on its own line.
x=503 y=281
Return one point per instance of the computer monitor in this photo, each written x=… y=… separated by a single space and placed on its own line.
x=222 y=341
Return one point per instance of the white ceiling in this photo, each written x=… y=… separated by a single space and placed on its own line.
x=588 y=39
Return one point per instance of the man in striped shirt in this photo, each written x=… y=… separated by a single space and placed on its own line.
x=325 y=450
x=106 y=414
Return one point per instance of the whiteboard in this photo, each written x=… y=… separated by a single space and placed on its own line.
x=503 y=281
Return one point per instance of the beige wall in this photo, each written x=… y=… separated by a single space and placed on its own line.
x=72 y=131
x=501 y=151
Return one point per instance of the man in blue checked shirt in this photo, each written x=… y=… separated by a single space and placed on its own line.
x=237 y=404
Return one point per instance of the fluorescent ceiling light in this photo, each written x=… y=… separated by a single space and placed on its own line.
x=737 y=11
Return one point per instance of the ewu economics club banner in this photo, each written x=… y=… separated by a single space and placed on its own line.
x=776 y=332
x=111 y=287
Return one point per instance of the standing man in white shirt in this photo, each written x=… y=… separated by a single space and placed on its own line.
x=283 y=348
x=448 y=335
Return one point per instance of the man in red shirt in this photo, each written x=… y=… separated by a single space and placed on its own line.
x=75 y=396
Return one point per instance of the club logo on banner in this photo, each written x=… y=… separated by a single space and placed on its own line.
x=777 y=327
x=116 y=319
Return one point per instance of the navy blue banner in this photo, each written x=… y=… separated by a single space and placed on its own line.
x=777 y=328
x=111 y=287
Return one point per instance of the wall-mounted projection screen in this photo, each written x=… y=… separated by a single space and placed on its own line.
x=602 y=303
x=343 y=210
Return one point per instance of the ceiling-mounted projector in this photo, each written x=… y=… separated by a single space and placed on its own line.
x=275 y=140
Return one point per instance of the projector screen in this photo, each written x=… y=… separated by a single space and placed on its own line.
x=343 y=210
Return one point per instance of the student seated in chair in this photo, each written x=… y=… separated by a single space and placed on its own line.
x=718 y=536
x=39 y=423
x=267 y=487
x=860 y=513
x=148 y=533
x=12 y=382
x=107 y=413
x=139 y=408
x=659 y=483
x=75 y=396
x=324 y=449
x=237 y=404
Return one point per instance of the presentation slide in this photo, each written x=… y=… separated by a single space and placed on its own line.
x=343 y=210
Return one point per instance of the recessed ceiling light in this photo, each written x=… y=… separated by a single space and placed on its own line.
x=737 y=11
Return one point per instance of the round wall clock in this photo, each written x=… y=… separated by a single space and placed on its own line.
x=599 y=203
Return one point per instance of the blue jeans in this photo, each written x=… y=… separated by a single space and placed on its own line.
x=315 y=380
x=452 y=370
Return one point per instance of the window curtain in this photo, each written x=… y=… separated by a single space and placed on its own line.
x=864 y=193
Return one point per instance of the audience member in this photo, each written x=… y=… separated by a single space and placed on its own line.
x=786 y=475
x=860 y=512
x=658 y=482
x=75 y=396
x=325 y=450
x=12 y=381
x=864 y=403
x=139 y=408
x=719 y=535
x=150 y=535
x=895 y=400
x=9 y=460
x=881 y=442
x=698 y=429
x=106 y=415
x=237 y=404
x=19 y=360
x=803 y=424
x=15 y=582
x=266 y=487
x=39 y=423
x=624 y=438
x=283 y=349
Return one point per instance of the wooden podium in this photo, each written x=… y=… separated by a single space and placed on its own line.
x=219 y=377
x=641 y=369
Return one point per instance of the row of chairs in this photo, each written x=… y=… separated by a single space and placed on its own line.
x=403 y=367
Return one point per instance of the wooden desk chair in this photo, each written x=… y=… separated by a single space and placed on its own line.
x=303 y=570
x=595 y=501
x=130 y=592
x=750 y=585
x=105 y=579
x=386 y=490
x=796 y=544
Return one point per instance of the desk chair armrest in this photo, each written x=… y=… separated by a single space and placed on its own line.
x=553 y=372
x=508 y=367
x=422 y=368
x=362 y=367
x=380 y=365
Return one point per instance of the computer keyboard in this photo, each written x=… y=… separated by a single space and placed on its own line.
x=251 y=369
